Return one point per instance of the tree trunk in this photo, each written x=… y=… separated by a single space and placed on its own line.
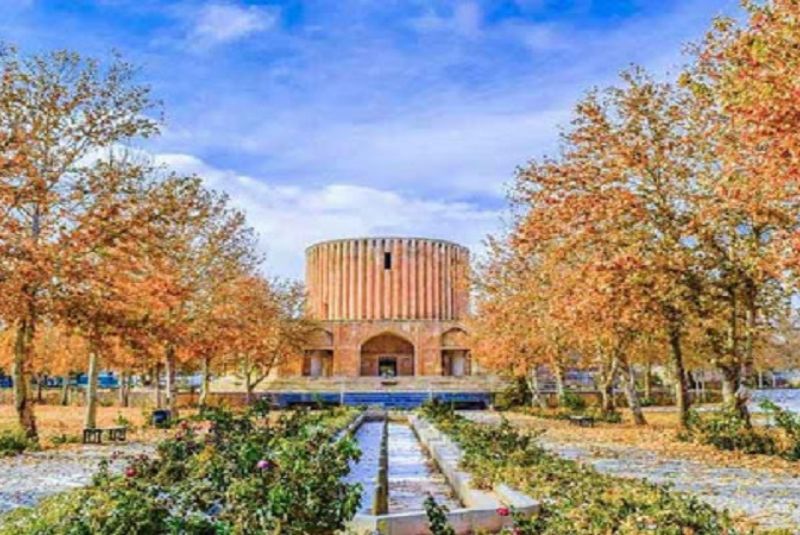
x=682 y=400
x=172 y=391
x=157 y=386
x=607 y=404
x=532 y=379
x=121 y=390
x=730 y=382
x=558 y=370
x=629 y=382
x=39 y=392
x=750 y=314
x=65 y=392
x=125 y=389
x=23 y=405
x=90 y=421
x=204 y=385
x=248 y=388
x=734 y=395
x=648 y=381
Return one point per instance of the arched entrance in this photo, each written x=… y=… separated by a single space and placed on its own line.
x=387 y=355
x=455 y=353
x=318 y=356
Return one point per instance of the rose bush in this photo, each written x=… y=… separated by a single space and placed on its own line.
x=223 y=473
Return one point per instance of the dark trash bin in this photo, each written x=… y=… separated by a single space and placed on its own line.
x=161 y=418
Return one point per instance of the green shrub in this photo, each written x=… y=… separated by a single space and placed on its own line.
x=222 y=473
x=515 y=394
x=647 y=402
x=13 y=442
x=789 y=423
x=121 y=421
x=575 y=498
x=437 y=518
x=63 y=438
x=572 y=401
x=726 y=430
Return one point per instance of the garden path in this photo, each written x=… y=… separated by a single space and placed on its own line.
x=27 y=478
x=770 y=498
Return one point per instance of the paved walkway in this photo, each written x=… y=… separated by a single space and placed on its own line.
x=27 y=478
x=772 y=500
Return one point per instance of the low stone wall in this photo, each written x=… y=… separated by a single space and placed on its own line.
x=447 y=455
x=480 y=513
x=109 y=397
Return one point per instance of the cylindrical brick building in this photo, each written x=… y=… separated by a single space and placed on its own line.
x=387 y=307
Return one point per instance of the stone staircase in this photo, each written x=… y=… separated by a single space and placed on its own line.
x=397 y=393
x=426 y=384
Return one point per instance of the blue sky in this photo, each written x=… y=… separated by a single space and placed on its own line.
x=334 y=118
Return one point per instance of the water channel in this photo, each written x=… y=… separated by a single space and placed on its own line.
x=412 y=475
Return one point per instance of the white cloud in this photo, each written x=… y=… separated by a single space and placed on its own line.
x=451 y=150
x=543 y=37
x=289 y=218
x=439 y=114
x=218 y=23
x=465 y=19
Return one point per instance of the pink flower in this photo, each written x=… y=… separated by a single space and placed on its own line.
x=263 y=464
x=130 y=472
x=503 y=511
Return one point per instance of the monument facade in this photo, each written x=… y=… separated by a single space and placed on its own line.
x=387 y=307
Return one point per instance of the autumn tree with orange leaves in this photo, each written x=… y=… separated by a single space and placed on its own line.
x=670 y=215
x=107 y=262
x=745 y=81
x=56 y=110
x=202 y=253
x=272 y=328
x=510 y=287
x=113 y=289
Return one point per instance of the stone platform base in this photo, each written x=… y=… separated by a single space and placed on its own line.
x=472 y=383
x=396 y=393
x=382 y=399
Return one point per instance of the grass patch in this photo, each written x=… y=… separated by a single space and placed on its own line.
x=13 y=442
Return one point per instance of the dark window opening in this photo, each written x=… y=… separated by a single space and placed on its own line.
x=387 y=367
x=387 y=260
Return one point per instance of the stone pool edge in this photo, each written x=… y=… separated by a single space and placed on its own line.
x=480 y=511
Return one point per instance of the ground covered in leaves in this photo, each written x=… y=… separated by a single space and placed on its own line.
x=59 y=425
x=763 y=488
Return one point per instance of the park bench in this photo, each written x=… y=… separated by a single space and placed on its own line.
x=582 y=421
x=94 y=435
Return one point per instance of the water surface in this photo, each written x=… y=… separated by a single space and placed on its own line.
x=412 y=474
x=788 y=398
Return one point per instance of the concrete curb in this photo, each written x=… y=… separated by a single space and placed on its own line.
x=480 y=512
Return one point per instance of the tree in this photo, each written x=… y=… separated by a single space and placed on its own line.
x=744 y=79
x=204 y=251
x=513 y=330
x=55 y=110
x=272 y=328
x=114 y=286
